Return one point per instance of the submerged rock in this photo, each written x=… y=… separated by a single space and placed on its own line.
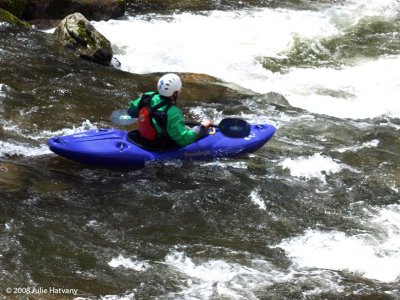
x=78 y=35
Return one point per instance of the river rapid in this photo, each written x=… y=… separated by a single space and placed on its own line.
x=314 y=214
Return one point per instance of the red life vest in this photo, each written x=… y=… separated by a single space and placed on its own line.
x=146 y=116
x=146 y=127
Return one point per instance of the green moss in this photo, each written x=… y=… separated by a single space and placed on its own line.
x=82 y=32
x=7 y=17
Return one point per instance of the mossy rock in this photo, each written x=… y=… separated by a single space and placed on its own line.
x=9 y=18
x=76 y=34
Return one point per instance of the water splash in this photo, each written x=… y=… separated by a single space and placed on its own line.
x=236 y=39
x=373 y=255
x=316 y=166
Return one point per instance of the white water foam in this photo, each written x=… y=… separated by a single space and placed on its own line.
x=218 y=278
x=129 y=263
x=222 y=44
x=371 y=144
x=308 y=167
x=16 y=148
x=374 y=255
x=257 y=200
x=85 y=125
x=216 y=44
x=21 y=149
x=315 y=254
x=356 y=9
x=128 y=296
x=227 y=44
x=367 y=90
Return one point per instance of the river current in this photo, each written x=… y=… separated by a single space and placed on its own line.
x=314 y=214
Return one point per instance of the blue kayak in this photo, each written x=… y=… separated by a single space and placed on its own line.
x=115 y=148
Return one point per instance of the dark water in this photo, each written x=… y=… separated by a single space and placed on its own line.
x=222 y=229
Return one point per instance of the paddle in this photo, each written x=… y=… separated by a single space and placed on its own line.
x=120 y=117
x=231 y=127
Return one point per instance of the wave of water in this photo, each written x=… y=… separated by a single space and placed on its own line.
x=316 y=166
x=13 y=147
x=373 y=255
x=316 y=253
x=228 y=45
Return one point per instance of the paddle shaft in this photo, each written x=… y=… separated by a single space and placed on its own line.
x=232 y=127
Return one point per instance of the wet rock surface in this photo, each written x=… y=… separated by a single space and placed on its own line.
x=76 y=34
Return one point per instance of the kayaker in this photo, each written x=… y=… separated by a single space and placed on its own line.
x=161 y=123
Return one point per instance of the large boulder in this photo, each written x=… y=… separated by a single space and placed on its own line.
x=59 y=9
x=16 y=7
x=75 y=33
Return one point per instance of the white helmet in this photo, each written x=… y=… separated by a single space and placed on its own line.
x=169 y=84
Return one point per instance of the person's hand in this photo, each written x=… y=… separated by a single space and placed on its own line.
x=206 y=123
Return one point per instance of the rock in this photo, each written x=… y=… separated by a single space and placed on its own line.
x=16 y=7
x=59 y=9
x=9 y=18
x=218 y=91
x=77 y=34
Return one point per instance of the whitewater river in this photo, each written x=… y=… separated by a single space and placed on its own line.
x=314 y=214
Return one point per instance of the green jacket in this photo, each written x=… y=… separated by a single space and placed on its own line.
x=176 y=128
